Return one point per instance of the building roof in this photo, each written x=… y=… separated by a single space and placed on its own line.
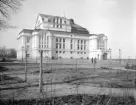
x=75 y=28
x=78 y=29
x=44 y=15
x=26 y=31
x=70 y=32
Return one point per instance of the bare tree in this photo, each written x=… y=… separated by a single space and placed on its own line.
x=12 y=53
x=3 y=51
x=6 y=7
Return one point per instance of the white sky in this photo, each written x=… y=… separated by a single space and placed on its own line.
x=114 y=18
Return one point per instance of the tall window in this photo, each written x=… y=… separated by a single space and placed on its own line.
x=41 y=41
x=81 y=47
x=71 y=44
x=56 y=45
x=84 y=44
x=60 y=43
x=56 y=39
x=49 y=20
x=81 y=44
x=57 y=26
x=63 y=43
x=53 y=20
x=78 y=44
x=100 y=43
x=27 y=39
x=57 y=19
x=44 y=41
x=60 y=23
x=47 y=44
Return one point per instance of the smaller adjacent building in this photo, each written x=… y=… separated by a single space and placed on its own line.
x=98 y=47
x=60 y=37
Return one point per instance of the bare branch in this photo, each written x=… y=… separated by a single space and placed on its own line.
x=6 y=6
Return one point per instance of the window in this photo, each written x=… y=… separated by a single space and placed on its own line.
x=81 y=41
x=81 y=47
x=84 y=47
x=53 y=20
x=59 y=51
x=27 y=39
x=57 y=19
x=60 y=40
x=57 y=45
x=63 y=52
x=60 y=21
x=56 y=51
x=47 y=41
x=42 y=41
x=63 y=43
x=60 y=26
x=57 y=26
x=78 y=47
x=71 y=40
x=63 y=46
x=71 y=46
x=60 y=45
x=71 y=52
x=84 y=41
x=56 y=39
x=54 y=25
x=49 y=20
x=63 y=40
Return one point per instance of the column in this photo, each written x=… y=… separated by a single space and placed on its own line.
x=36 y=42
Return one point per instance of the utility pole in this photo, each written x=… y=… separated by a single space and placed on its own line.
x=120 y=56
x=22 y=53
x=40 y=75
x=128 y=65
x=25 y=65
x=94 y=61
x=110 y=58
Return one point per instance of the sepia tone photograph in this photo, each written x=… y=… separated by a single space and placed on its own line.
x=67 y=52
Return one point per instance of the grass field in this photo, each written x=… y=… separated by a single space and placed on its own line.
x=63 y=74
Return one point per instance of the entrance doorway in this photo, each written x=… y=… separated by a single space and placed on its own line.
x=104 y=57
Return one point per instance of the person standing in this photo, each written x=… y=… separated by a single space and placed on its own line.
x=92 y=60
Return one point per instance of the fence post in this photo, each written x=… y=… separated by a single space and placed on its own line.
x=40 y=76
x=26 y=66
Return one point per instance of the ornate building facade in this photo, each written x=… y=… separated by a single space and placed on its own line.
x=60 y=37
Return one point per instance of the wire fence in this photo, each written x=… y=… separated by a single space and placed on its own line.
x=76 y=66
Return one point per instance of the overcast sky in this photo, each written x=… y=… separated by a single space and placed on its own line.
x=114 y=18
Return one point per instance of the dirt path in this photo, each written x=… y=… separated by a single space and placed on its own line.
x=63 y=90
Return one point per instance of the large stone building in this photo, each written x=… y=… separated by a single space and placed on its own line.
x=60 y=37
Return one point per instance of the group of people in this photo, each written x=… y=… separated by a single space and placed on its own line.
x=94 y=60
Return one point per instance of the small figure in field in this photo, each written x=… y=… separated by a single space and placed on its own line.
x=95 y=60
x=92 y=59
